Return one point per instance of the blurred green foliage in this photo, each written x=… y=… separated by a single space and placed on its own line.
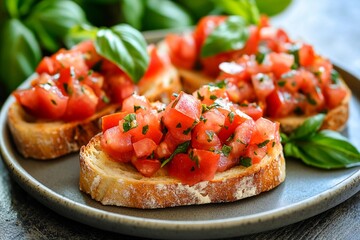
x=30 y=29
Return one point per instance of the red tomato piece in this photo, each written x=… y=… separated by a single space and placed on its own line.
x=157 y=62
x=117 y=144
x=136 y=103
x=48 y=65
x=306 y=55
x=147 y=167
x=201 y=167
x=252 y=109
x=281 y=63
x=144 y=147
x=263 y=85
x=280 y=104
x=87 y=48
x=232 y=121
x=182 y=50
x=334 y=95
x=112 y=120
x=167 y=146
x=208 y=94
x=120 y=87
x=181 y=115
x=265 y=130
x=255 y=153
x=82 y=103
x=241 y=138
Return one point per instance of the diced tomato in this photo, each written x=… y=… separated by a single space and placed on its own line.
x=117 y=144
x=68 y=58
x=252 y=109
x=136 y=103
x=263 y=85
x=281 y=63
x=334 y=95
x=182 y=50
x=290 y=81
x=255 y=153
x=157 y=62
x=167 y=146
x=147 y=167
x=43 y=101
x=241 y=92
x=280 y=104
x=273 y=38
x=232 y=121
x=251 y=45
x=265 y=130
x=87 y=48
x=120 y=87
x=82 y=103
x=315 y=102
x=47 y=65
x=306 y=55
x=226 y=162
x=144 y=147
x=241 y=137
x=201 y=167
x=181 y=115
x=208 y=94
x=322 y=68
x=112 y=120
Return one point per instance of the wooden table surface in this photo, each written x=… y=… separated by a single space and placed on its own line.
x=332 y=26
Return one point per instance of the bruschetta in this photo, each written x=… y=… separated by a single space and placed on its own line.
x=200 y=148
x=286 y=78
x=61 y=109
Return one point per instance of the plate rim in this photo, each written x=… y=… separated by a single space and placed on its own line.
x=67 y=207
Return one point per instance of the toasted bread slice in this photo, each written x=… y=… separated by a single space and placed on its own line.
x=51 y=139
x=115 y=183
x=335 y=119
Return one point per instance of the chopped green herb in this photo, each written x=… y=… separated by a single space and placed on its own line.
x=136 y=107
x=178 y=125
x=130 y=122
x=245 y=161
x=335 y=77
x=81 y=78
x=281 y=83
x=273 y=144
x=231 y=137
x=201 y=98
x=226 y=150
x=260 y=57
x=220 y=84
x=231 y=116
x=187 y=131
x=213 y=97
x=311 y=100
x=263 y=144
x=210 y=135
x=67 y=89
x=181 y=148
x=145 y=129
x=90 y=72
x=105 y=99
x=53 y=102
x=194 y=158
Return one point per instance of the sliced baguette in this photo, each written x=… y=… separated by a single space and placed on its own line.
x=47 y=140
x=120 y=184
x=335 y=118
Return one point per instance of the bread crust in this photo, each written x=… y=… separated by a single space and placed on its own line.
x=120 y=184
x=335 y=118
x=45 y=140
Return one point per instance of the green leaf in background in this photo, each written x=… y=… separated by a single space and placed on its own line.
x=126 y=47
x=160 y=14
x=309 y=127
x=133 y=12
x=18 y=8
x=272 y=7
x=80 y=33
x=244 y=8
x=19 y=53
x=197 y=9
x=51 y=20
x=232 y=34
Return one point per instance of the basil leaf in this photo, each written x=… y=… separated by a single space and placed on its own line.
x=272 y=7
x=51 y=21
x=124 y=46
x=133 y=12
x=18 y=8
x=181 y=148
x=244 y=8
x=18 y=49
x=232 y=34
x=309 y=127
x=160 y=14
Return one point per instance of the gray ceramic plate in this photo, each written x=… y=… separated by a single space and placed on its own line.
x=305 y=193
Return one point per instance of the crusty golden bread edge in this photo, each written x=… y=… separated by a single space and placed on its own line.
x=335 y=118
x=120 y=184
x=48 y=140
